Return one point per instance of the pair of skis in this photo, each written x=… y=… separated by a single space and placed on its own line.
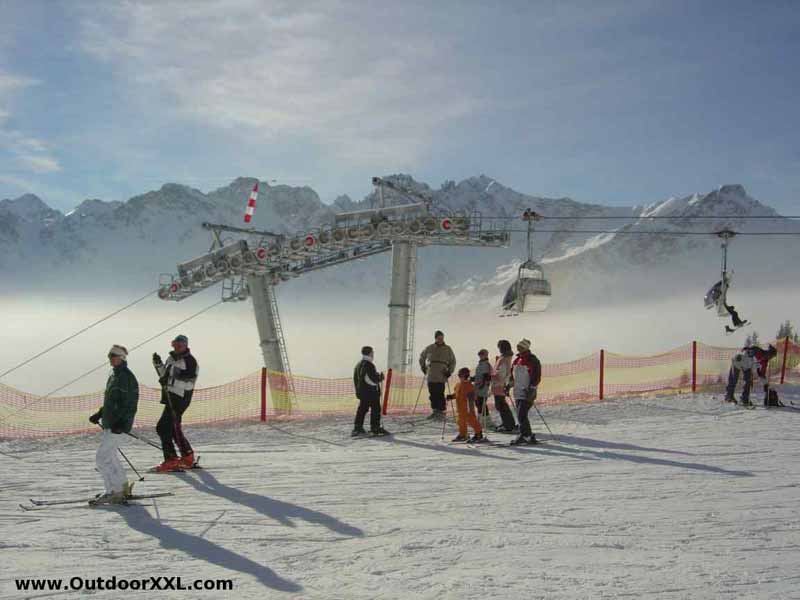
x=42 y=504
x=729 y=330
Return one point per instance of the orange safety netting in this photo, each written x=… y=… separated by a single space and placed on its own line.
x=269 y=395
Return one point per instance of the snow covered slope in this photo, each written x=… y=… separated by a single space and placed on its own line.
x=664 y=498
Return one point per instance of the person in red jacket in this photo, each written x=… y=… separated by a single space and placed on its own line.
x=762 y=358
x=526 y=374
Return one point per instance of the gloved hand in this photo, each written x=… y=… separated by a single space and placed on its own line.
x=163 y=379
x=507 y=389
x=382 y=376
x=424 y=370
x=157 y=359
x=95 y=418
x=450 y=397
x=117 y=427
x=447 y=373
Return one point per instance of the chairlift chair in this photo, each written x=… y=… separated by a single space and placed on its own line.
x=531 y=291
x=718 y=294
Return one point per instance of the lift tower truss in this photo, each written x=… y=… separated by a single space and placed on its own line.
x=258 y=261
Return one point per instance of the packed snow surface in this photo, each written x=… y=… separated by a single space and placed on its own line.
x=651 y=497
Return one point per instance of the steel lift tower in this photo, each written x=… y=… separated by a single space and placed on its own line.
x=253 y=265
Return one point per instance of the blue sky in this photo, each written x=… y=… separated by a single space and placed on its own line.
x=609 y=102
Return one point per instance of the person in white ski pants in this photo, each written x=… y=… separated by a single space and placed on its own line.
x=108 y=462
x=117 y=414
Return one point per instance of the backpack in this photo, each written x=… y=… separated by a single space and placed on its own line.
x=772 y=399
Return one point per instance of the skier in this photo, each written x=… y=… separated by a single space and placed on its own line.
x=482 y=379
x=367 y=382
x=120 y=402
x=437 y=362
x=737 y=322
x=526 y=373
x=761 y=358
x=464 y=397
x=501 y=380
x=177 y=378
x=743 y=362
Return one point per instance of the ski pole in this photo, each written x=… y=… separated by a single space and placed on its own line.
x=419 y=393
x=130 y=464
x=145 y=440
x=444 y=420
x=165 y=395
x=542 y=417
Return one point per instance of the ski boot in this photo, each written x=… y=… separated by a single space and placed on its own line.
x=436 y=415
x=109 y=498
x=459 y=439
x=168 y=466
x=524 y=440
x=478 y=438
x=358 y=432
x=187 y=462
x=127 y=488
x=380 y=431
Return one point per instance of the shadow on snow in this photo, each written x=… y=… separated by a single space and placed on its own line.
x=283 y=512
x=139 y=519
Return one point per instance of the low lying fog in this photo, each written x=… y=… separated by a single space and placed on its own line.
x=324 y=338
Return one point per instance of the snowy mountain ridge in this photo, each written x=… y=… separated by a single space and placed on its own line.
x=133 y=241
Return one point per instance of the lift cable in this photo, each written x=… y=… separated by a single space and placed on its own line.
x=657 y=232
x=77 y=333
x=105 y=364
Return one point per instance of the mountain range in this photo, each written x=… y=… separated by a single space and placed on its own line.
x=590 y=252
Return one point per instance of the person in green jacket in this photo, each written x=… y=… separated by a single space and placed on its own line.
x=120 y=402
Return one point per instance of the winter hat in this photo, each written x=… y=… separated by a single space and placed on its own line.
x=367 y=351
x=437 y=334
x=117 y=350
x=483 y=351
x=524 y=344
x=181 y=338
x=463 y=372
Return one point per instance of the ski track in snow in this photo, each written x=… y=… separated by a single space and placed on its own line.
x=670 y=497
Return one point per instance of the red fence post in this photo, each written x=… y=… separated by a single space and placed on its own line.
x=602 y=372
x=386 y=391
x=785 y=353
x=263 y=393
x=694 y=366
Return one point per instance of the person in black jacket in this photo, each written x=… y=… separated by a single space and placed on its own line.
x=367 y=382
x=177 y=378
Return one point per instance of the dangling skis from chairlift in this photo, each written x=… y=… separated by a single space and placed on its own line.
x=531 y=291
x=717 y=296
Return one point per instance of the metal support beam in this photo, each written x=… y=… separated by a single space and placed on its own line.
x=403 y=280
x=268 y=333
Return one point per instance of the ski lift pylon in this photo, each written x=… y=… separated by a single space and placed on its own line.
x=531 y=291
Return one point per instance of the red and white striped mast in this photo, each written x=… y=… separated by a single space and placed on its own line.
x=251 y=204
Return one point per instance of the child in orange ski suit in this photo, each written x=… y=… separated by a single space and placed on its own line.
x=464 y=397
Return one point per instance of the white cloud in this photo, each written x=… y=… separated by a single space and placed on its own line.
x=370 y=90
x=32 y=153
x=40 y=164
